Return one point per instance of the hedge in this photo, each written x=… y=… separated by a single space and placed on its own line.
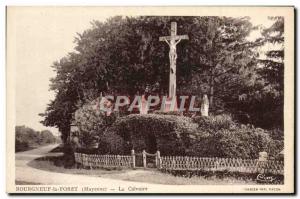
x=214 y=136
x=150 y=132
x=223 y=137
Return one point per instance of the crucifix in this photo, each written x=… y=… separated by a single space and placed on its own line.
x=172 y=41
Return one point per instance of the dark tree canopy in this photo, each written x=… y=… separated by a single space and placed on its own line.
x=264 y=103
x=123 y=56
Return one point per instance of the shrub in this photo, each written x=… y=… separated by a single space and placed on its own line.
x=276 y=134
x=87 y=150
x=223 y=137
x=168 y=113
x=92 y=122
x=21 y=145
x=178 y=113
x=213 y=136
x=150 y=132
x=214 y=122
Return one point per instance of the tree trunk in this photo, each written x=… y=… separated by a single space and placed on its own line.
x=65 y=134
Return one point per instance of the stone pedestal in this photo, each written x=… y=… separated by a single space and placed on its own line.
x=144 y=105
x=170 y=105
x=263 y=156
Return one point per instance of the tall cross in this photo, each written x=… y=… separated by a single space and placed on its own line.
x=172 y=41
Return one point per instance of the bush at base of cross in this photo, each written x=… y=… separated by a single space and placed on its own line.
x=213 y=136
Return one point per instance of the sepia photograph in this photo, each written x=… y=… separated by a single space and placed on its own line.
x=150 y=100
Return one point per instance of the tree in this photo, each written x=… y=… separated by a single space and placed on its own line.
x=263 y=101
x=27 y=138
x=272 y=72
x=273 y=62
x=227 y=59
x=123 y=56
x=47 y=137
x=59 y=114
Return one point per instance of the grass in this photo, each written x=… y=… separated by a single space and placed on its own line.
x=138 y=175
x=157 y=177
x=58 y=149
x=24 y=148
x=19 y=182
x=47 y=163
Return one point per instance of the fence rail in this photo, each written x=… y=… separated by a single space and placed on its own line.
x=221 y=164
x=100 y=161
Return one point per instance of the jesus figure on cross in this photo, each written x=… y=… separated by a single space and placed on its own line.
x=172 y=41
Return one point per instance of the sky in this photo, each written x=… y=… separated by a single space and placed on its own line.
x=42 y=37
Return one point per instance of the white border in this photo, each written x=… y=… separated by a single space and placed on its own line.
x=94 y=2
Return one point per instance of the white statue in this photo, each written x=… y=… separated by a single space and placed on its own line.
x=204 y=106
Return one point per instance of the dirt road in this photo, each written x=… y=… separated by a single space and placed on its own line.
x=25 y=173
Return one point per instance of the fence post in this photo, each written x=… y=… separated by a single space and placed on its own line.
x=187 y=162
x=119 y=160
x=157 y=159
x=144 y=159
x=262 y=161
x=90 y=162
x=133 y=158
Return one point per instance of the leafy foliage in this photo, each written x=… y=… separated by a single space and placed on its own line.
x=123 y=56
x=215 y=122
x=263 y=105
x=151 y=132
x=92 y=122
x=27 y=138
x=273 y=63
x=214 y=136
x=225 y=138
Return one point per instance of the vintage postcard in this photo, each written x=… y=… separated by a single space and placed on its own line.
x=131 y=100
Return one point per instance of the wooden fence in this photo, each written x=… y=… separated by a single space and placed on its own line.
x=102 y=161
x=221 y=164
x=183 y=163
